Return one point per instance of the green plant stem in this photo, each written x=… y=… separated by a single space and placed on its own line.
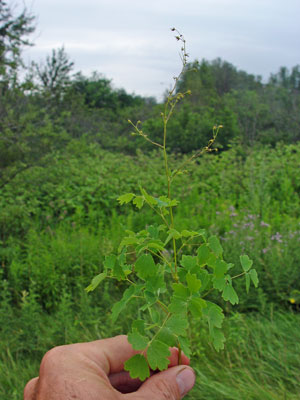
x=166 y=118
x=238 y=276
x=163 y=306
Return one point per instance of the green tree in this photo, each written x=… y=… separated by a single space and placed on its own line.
x=14 y=30
x=54 y=74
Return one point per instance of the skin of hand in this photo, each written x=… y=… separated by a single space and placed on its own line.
x=95 y=371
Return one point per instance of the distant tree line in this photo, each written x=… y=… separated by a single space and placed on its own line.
x=41 y=112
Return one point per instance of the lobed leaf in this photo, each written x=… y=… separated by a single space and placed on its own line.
x=196 y=306
x=145 y=266
x=218 y=339
x=138 y=341
x=177 y=324
x=220 y=268
x=137 y=367
x=157 y=355
x=125 y=198
x=246 y=262
x=214 y=315
x=189 y=262
x=138 y=202
x=193 y=282
x=229 y=294
x=215 y=245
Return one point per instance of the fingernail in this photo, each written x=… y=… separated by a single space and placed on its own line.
x=185 y=380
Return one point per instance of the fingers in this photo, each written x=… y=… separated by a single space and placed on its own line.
x=122 y=382
x=111 y=354
x=30 y=389
x=174 y=358
x=172 y=384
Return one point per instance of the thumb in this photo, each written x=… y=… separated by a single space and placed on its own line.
x=172 y=384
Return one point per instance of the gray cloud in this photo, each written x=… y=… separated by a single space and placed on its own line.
x=130 y=42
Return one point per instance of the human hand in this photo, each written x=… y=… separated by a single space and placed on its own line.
x=95 y=371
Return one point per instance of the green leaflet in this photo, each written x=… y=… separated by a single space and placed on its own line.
x=177 y=324
x=139 y=325
x=137 y=367
x=203 y=254
x=220 y=268
x=181 y=291
x=251 y=276
x=193 y=282
x=177 y=305
x=125 y=198
x=215 y=245
x=214 y=315
x=138 y=341
x=254 y=277
x=110 y=261
x=145 y=266
x=149 y=199
x=157 y=355
x=138 y=202
x=120 y=305
x=196 y=306
x=96 y=281
x=220 y=283
x=189 y=262
x=218 y=338
x=246 y=262
x=229 y=294
x=185 y=345
x=186 y=233
x=166 y=336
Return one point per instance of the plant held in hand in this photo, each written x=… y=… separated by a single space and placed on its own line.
x=168 y=286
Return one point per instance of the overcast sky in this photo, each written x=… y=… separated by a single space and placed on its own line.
x=130 y=42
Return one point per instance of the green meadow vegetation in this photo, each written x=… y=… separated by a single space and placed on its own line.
x=67 y=154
